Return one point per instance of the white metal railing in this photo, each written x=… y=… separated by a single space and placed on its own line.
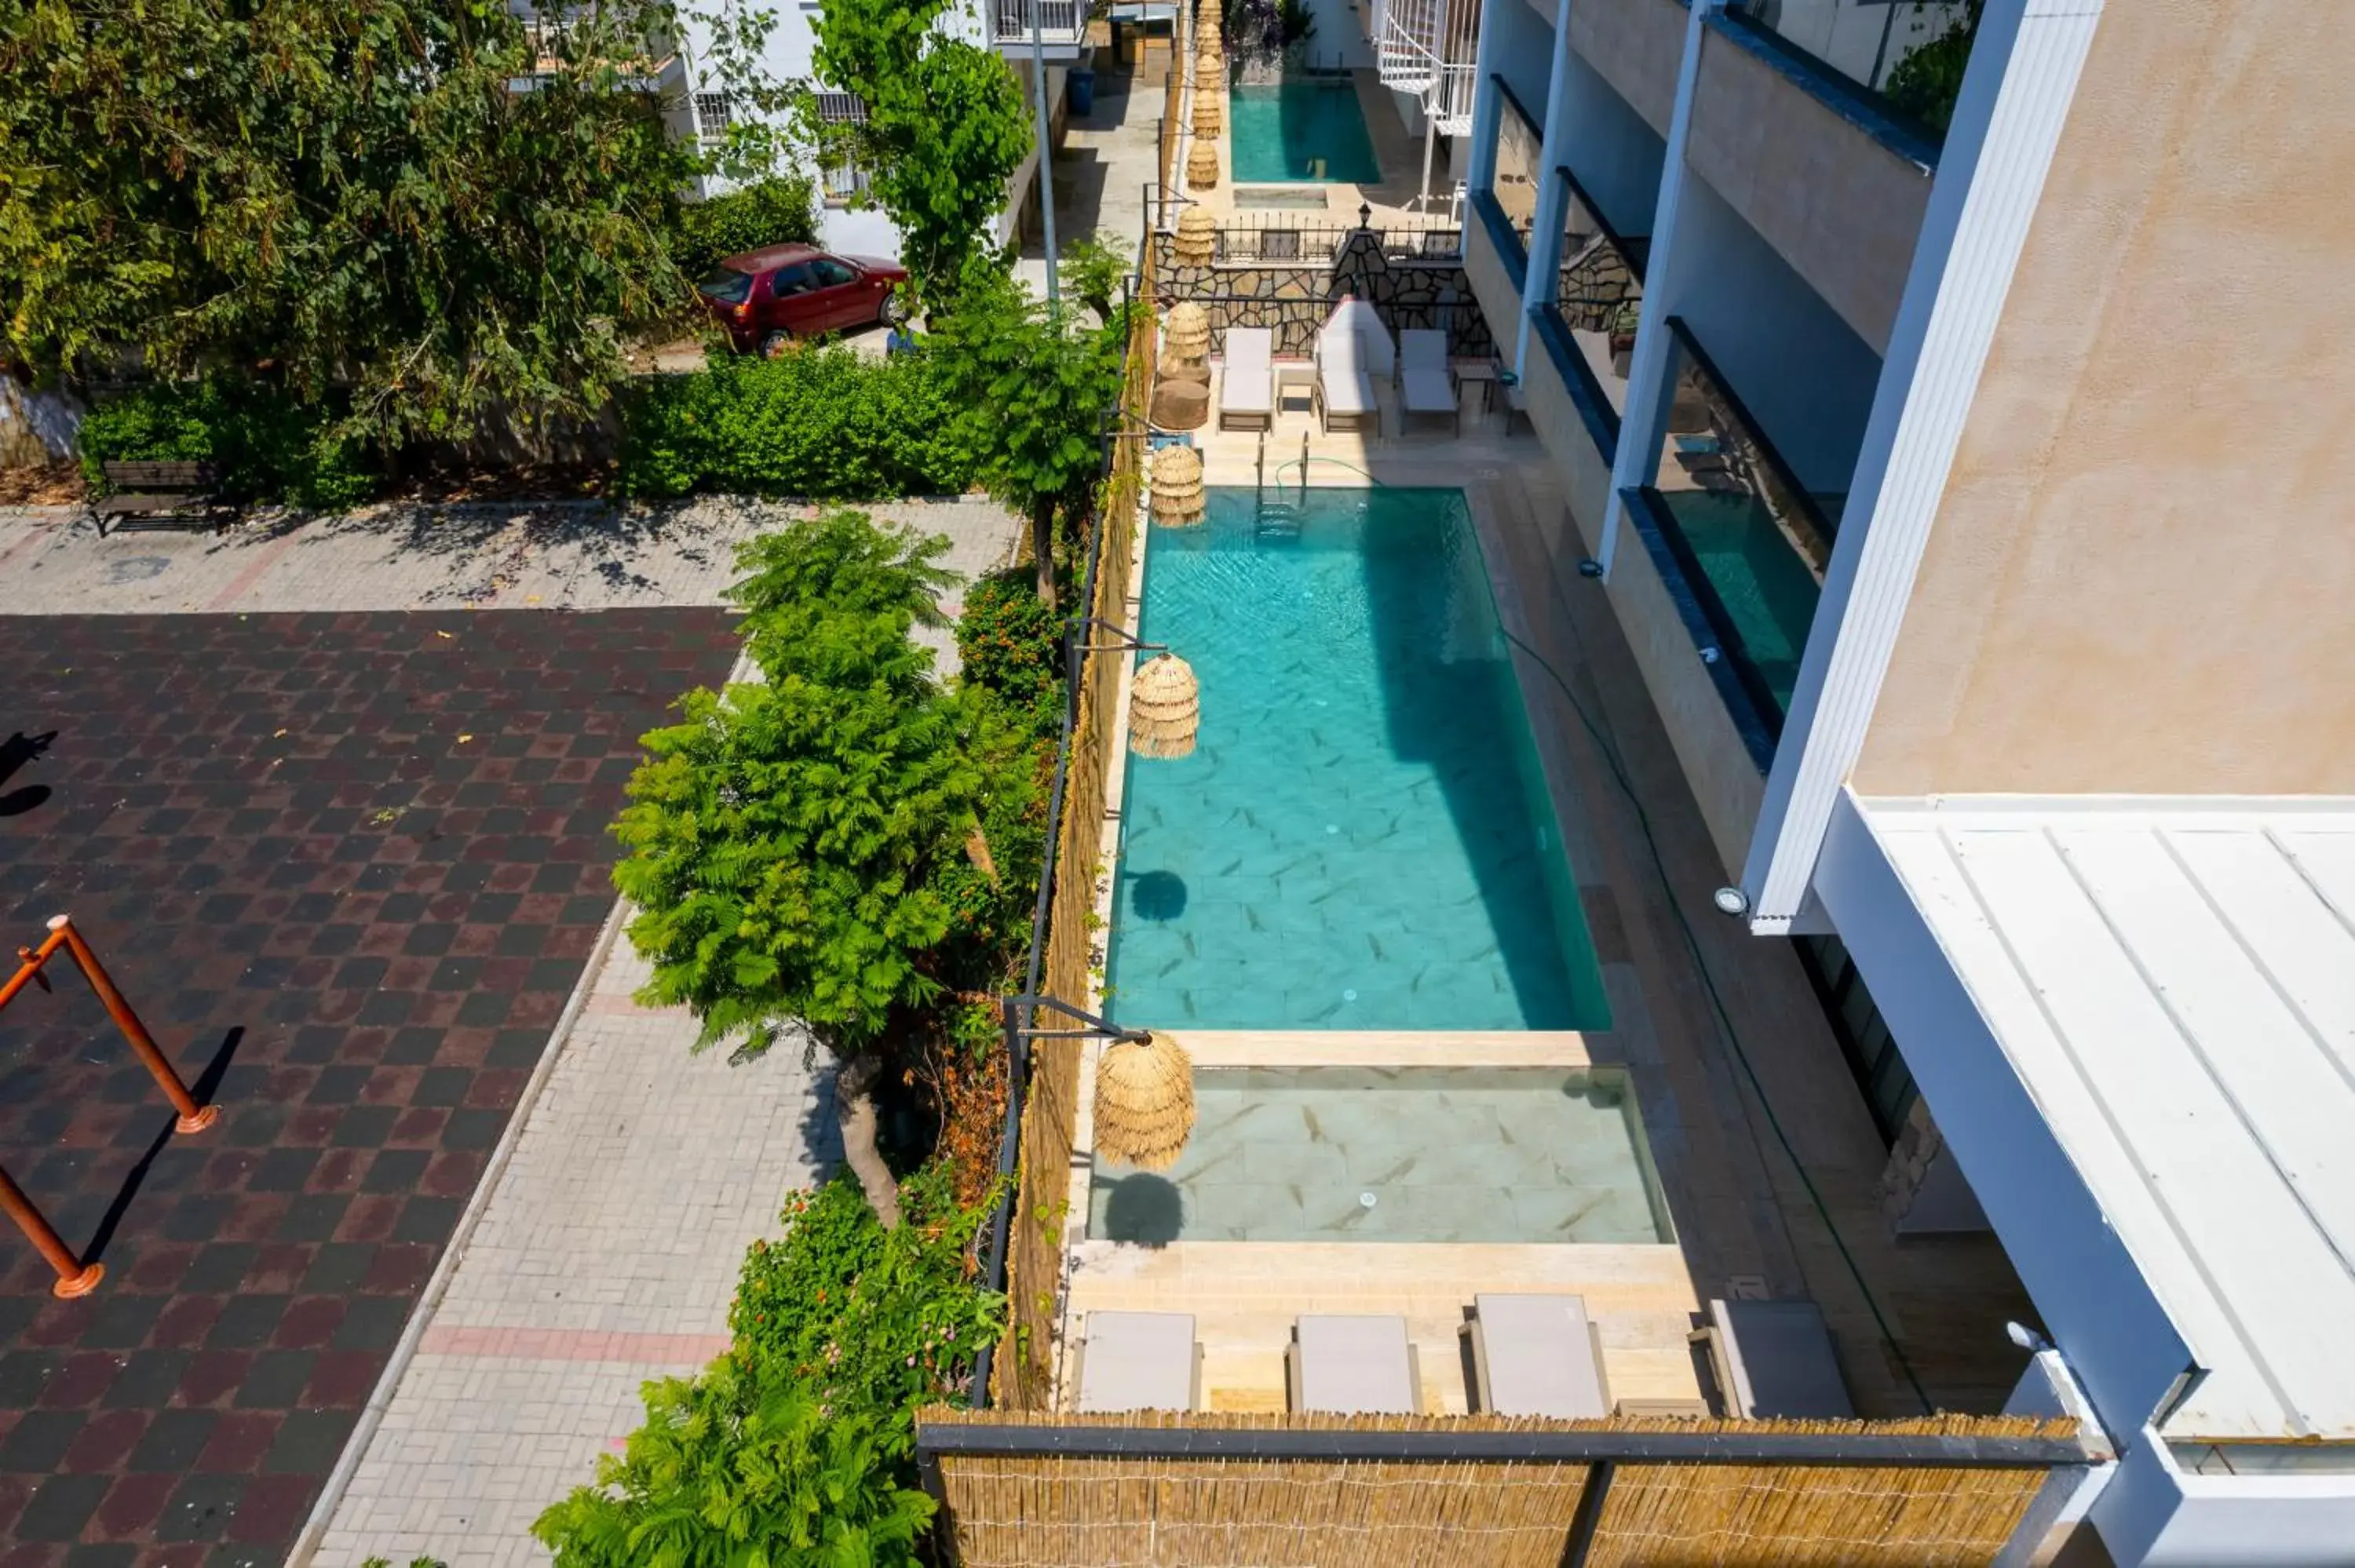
x=1060 y=21
x=1427 y=48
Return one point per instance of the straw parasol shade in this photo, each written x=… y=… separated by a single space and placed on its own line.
x=1196 y=233
x=1209 y=114
x=1144 y=1102
x=1186 y=332
x=1202 y=166
x=1177 y=488
x=1165 y=708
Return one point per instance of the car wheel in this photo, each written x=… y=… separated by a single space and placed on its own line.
x=775 y=343
x=894 y=311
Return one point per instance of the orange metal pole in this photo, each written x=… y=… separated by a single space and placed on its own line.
x=194 y=1117
x=74 y=1276
x=33 y=958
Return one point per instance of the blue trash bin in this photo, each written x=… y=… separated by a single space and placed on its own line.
x=1083 y=92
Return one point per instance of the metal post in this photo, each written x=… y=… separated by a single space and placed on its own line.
x=1589 y=1517
x=74 y=1276
x=1046 y=163
x=194 y=1117
x=1303 y=468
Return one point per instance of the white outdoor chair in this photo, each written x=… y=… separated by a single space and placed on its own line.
x=1537 y=1355
x=1426 y=384
x=1247 y=381
x=1352 y=1365
x=1775 y=1357
x=1140 y=1360
x=1344 y=393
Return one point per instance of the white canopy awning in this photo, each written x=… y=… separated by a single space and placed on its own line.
x=2173 y=985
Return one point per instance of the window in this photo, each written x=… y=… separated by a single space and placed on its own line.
x=840 y=178
x=712 y=115
x=832 y=273
x=728 y=287
x=796 y=279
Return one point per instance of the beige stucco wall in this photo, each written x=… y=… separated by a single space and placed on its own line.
x=1585 y=473
x=1838 y=205
x=1635 y=46
x=1492 y=286
x=2142 y=574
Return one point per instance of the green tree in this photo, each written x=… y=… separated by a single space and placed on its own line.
x=785 y=839
x=1926 y=82
x=1035 y=385
x=733 y=1469
x=350 y=195
x=946 y=127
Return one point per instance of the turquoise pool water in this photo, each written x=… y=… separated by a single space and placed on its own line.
x=1361 y=838
x=1766 y=589
x=1282 y=134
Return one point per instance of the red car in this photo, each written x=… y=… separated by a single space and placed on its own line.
x=765 y=297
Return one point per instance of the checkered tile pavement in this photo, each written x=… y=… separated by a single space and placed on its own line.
x=347 y=867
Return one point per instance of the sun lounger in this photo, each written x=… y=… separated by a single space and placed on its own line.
x=1140 y=1360
x=1426 y=386
x=1537 y=1355
x=1344 y=393
x=1352 y=1365
x=1247 y=382
x=1775 y=1357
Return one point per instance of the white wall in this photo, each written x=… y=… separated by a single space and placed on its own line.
x=1520 y=51
x=1339 y=33
x=2154 y=1513
x=1805 y=377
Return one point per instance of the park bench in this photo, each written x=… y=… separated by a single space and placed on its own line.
x=156 y=494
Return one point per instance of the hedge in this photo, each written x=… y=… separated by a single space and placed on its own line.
x=820 y=423
x=267 y=446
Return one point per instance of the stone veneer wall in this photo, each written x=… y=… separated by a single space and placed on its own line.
x=1295 y=300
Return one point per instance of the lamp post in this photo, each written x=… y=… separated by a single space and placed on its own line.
x=1046 y=170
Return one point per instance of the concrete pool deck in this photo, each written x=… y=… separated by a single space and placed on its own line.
x=1743 y=1200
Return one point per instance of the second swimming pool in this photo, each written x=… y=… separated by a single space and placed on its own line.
x=1301 y=131
x=1362 y=838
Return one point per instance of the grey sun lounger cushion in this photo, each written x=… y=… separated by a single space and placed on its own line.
x=1247 y=382
x=1537 y=1355
x=1140 y=1360
x=1775 y=1357
x=1426 y=384
x=1344 y=392
x=1352 y=1365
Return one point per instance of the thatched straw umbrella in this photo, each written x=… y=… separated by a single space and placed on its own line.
x=1202 y=166
x=1196 y=233
x=1184 y=337
x=1176 y=487
x=1165 y=708
x=1144 y=1102
x=1210 y=112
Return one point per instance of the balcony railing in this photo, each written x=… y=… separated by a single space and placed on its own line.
x=1058 y=22
x=1521 y=150
x=1751 y=540
x=1890 y=67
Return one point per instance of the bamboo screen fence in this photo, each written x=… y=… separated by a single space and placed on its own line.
x=1092 y=1510
x=1024 y=1371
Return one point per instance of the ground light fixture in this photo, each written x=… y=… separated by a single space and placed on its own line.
x=1730 y=901
x=1165 y=700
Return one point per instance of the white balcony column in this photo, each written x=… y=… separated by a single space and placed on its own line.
x=1484 y=107
x=1543 y=282
x=1649 y=390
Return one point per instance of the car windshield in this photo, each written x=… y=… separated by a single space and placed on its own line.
x=727 y=286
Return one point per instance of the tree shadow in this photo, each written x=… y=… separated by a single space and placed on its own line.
x=207 y=1083
x=15 y=752
x=1156 y=894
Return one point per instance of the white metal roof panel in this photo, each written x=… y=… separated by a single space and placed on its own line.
x=2176 y=987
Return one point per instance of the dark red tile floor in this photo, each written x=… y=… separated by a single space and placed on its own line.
x=347 y=868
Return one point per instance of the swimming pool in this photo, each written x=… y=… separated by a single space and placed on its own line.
x=1363 y=837
x=1400 y=1154
x=1301 y=131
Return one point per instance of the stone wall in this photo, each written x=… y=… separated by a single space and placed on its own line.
x=1295 y=300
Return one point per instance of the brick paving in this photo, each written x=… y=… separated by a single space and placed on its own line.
x=348 y=867
x=605 y=1255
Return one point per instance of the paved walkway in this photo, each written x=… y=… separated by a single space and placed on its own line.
x=556 y=555
x=606 y=1255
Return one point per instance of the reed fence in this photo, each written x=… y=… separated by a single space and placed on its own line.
x=1203 y=1491
x=1043 y=1113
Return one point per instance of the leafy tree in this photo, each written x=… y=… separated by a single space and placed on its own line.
x=785 y=838
x=1091 y=271
x=1926 y=82
x=356 y=196
x=731 y=1470
x=1035 y=385
x=777 y=210
x=946 y=127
